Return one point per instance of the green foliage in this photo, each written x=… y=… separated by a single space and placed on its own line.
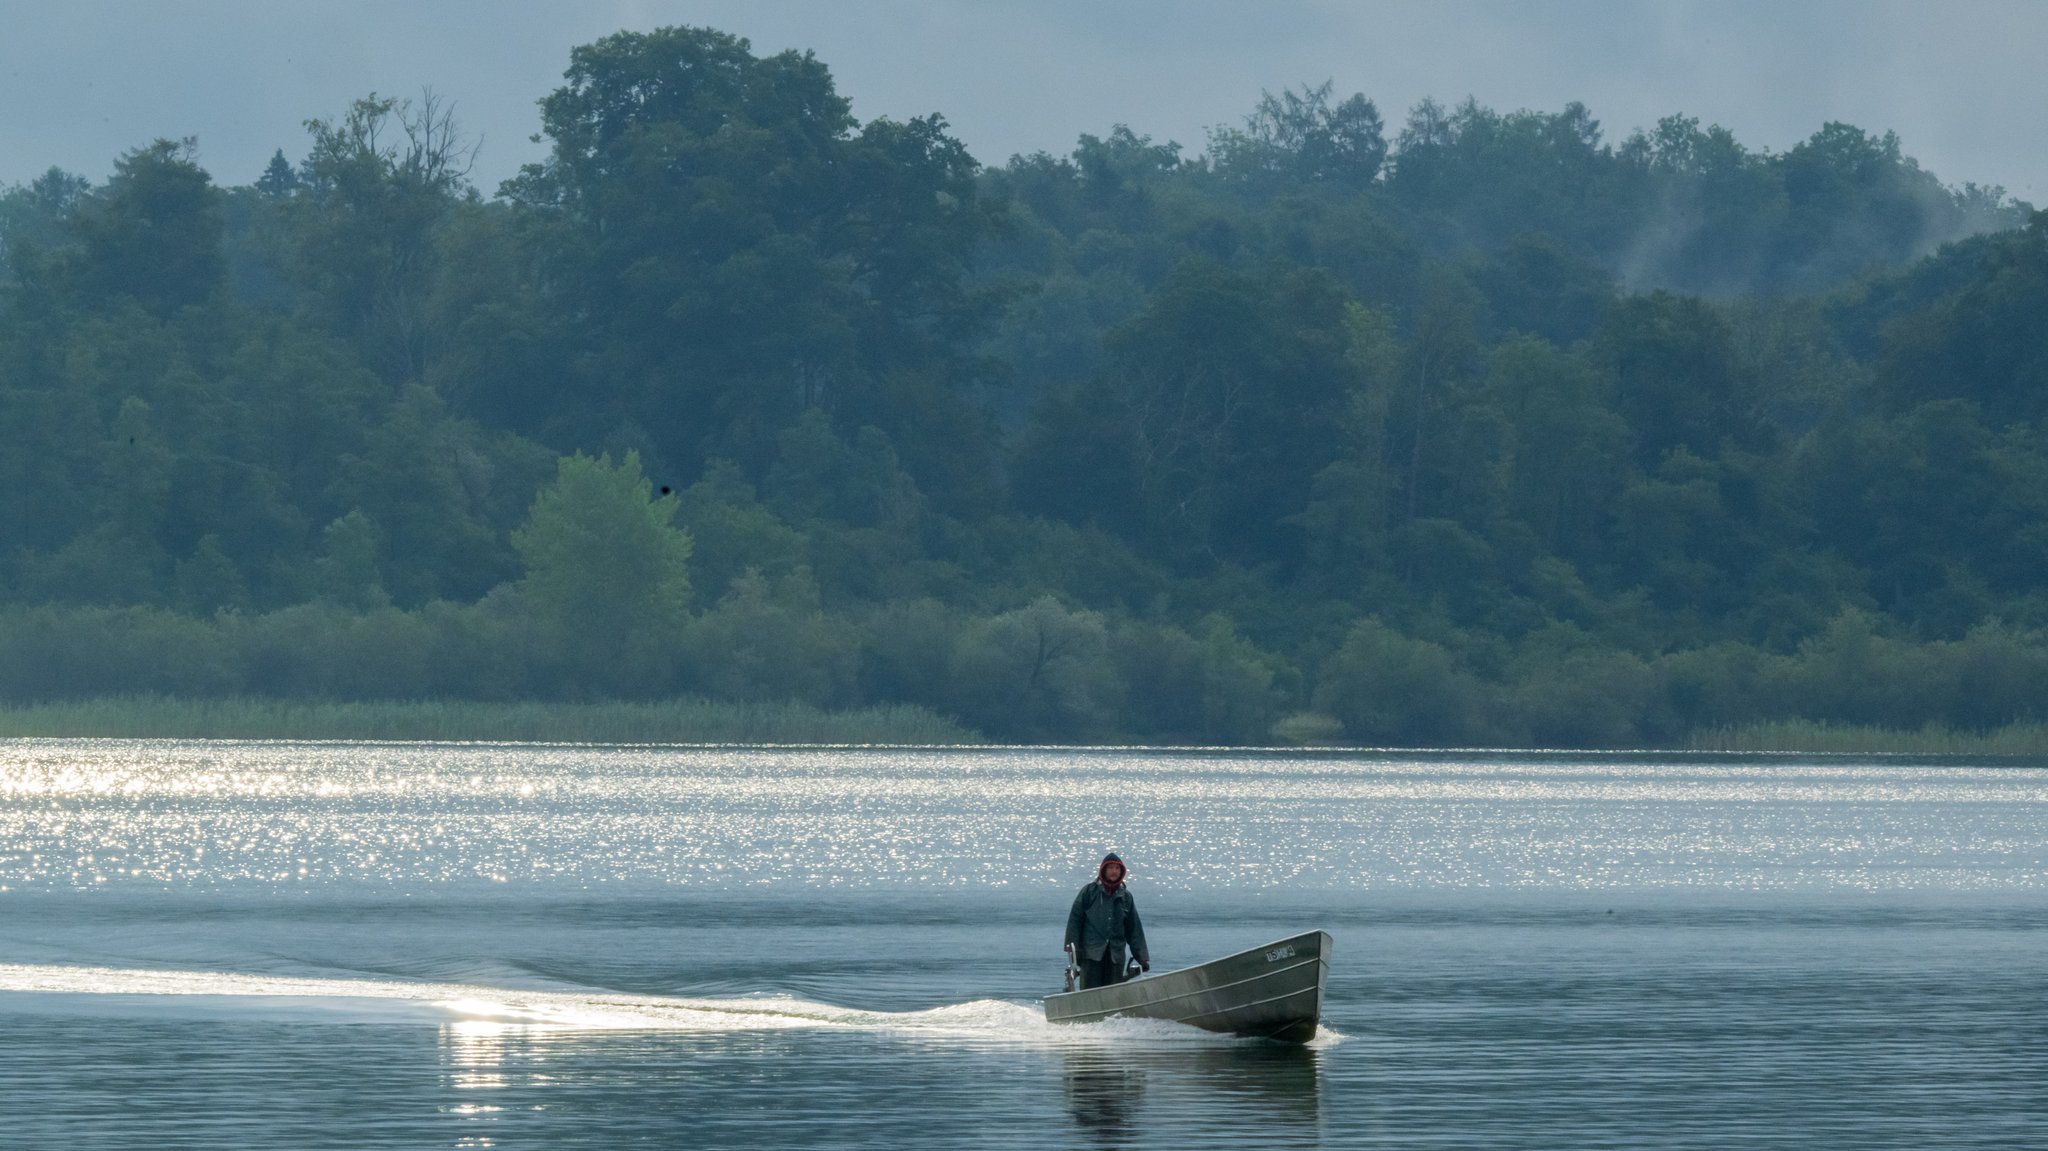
x=424 y=481
x=1571 y=691
x=208 y=581
x=1560 y=461
x=1483 y=430
x=365 y=211
x=51 y=653
x=1214 y=688
x=1226 y=398
x=763 y=643
x=1983 y=340
x=348 y=569
x=153 y=234
x=818 y=476
x=1301 y=137
x=745 y=251
x=32 y=223
x=1388 y=689
x=279 y=178
x=1672 y=363
x=1035 y=672
x=607 y=570
x=732 y=532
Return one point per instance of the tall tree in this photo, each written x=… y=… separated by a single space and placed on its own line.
x=379 y=184
x=153 y=233
x=607 y=570
x=1305 y=137
x=737 y=251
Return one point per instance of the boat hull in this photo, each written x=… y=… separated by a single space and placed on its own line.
x=1269 y=992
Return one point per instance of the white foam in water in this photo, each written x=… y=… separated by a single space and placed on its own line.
x=987 y=1020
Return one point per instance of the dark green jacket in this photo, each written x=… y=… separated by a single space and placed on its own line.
x=1100 y=921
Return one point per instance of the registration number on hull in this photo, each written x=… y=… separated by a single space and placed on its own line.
x=1280 y=953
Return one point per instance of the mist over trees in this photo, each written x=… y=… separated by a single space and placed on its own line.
x=1482 y=427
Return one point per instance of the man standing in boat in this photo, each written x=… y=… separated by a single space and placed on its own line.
x=1103 y=923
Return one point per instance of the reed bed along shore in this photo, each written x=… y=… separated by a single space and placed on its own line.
x=2020 y=739
x=671 y=721
x=710 y=721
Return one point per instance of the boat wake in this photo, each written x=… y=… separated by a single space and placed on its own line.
x=244 y=995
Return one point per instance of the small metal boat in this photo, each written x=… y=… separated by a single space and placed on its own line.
x=1270 y=992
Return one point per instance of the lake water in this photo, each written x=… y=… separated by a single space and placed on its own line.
x=221 y=945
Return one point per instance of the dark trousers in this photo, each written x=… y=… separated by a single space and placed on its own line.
x=1106 y=970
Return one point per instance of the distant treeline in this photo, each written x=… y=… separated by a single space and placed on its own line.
x=1482 y=429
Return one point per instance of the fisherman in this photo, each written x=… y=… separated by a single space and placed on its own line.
x=1103 y=922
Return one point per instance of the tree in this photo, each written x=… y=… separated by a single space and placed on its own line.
x=1843 y=184
x=1982 y=340
x=154 y=232
x=1389 y=689
x=279 y=178
x=733 y=533
x=207 y=580
x=347 y=572
x=378 y=185
x=1476 y=178
x=1040 y=671
x=1232 y=394
x=421 y=478
x=607 y=570
x=764 y=642
x=1119 y=172
x=1566 y=447
x=1672 y=364
x=820 y=476
x=1215 y=688
x=1347 y=515
x=32 y=219
x=1303 y=137
x=1538 y=286
x=1441 y=349
x=738 y=252
x=1249 y=398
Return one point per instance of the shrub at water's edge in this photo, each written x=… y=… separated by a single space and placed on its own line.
x=691 y=721
x=772 y=653
x=671 y=721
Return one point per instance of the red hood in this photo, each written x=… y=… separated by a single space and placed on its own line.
x=1102 y=874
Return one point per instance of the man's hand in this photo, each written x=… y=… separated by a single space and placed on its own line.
x=1144 y=965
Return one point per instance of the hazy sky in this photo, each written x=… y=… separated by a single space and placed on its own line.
x=1962 y=83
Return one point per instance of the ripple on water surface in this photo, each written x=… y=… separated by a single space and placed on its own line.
x=228 y=945
x=97 y=813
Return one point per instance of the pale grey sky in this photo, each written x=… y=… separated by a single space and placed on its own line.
x=1961 y=82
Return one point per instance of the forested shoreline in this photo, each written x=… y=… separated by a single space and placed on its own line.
x=1480 y=429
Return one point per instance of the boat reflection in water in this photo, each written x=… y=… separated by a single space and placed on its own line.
x=1104 y=1093
x=1109 y=1092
